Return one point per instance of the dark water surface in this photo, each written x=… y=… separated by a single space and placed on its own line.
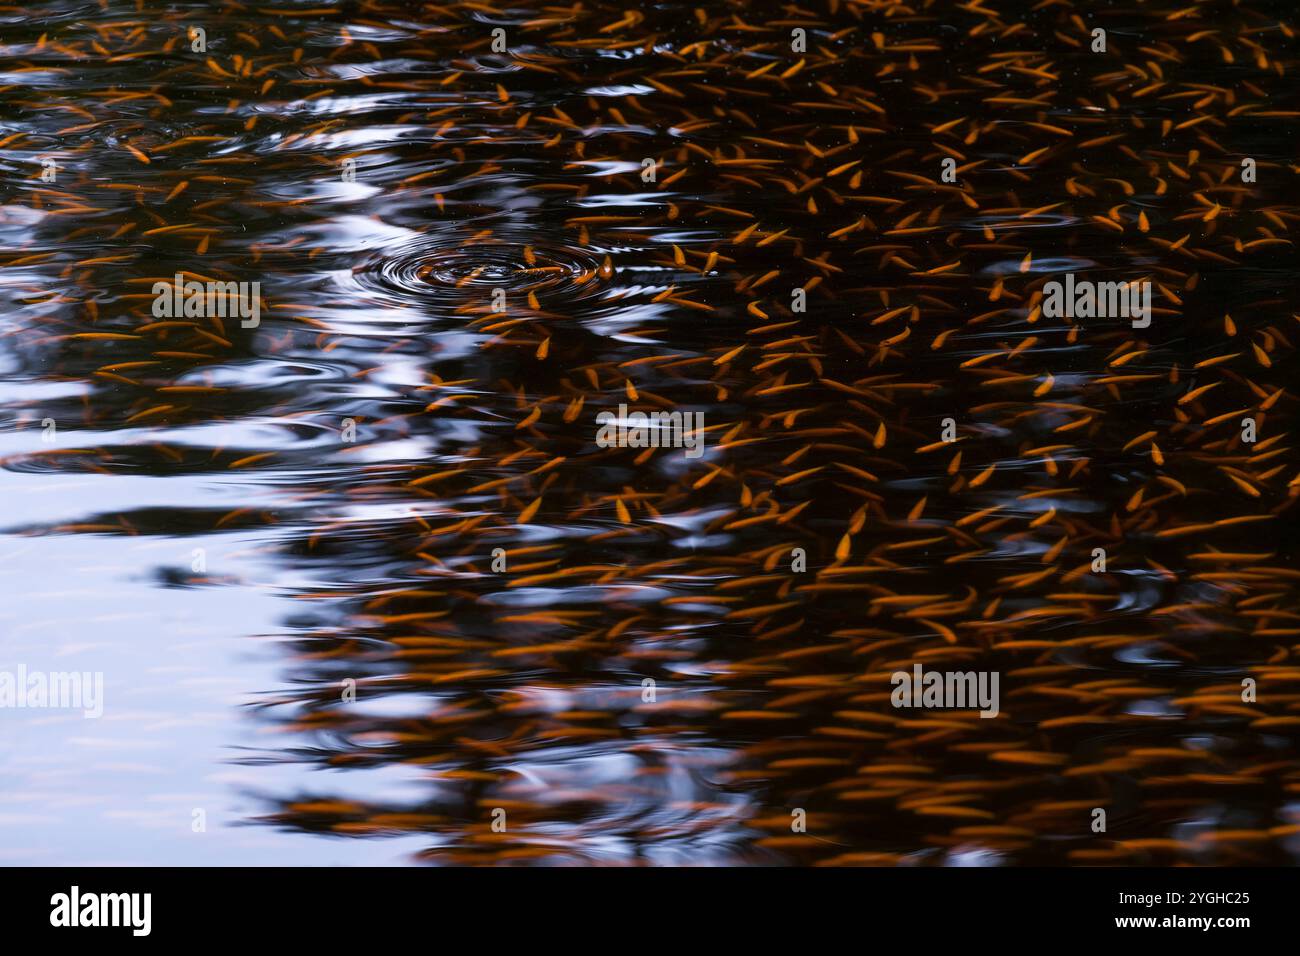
x=237 y=526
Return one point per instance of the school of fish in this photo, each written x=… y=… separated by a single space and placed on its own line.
x=906 y=460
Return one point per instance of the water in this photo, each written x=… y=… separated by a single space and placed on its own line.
x=279 y=543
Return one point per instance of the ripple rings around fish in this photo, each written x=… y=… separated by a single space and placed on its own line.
x=458 y=271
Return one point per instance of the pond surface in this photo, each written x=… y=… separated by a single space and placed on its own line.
x=364 y=587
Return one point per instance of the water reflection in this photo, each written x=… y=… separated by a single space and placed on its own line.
x=365 y=589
